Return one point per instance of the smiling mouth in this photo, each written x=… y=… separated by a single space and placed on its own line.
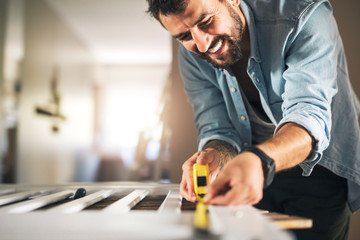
x=217 y=46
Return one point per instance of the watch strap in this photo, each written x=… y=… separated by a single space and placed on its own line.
x=268 y=164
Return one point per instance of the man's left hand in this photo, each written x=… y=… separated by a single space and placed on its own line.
x=240 y=182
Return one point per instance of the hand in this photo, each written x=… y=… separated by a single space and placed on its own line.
x=240 y=182
x=209 y=156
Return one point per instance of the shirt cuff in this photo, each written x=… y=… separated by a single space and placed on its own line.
x=318 y=146
x=230 y=141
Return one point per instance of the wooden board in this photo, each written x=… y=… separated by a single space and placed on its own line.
x=284 y=221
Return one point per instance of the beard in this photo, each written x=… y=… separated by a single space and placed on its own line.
x=234 y=52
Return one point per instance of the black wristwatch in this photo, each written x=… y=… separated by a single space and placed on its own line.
x=268 y=164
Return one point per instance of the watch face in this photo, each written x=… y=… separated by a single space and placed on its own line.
x=269 y=172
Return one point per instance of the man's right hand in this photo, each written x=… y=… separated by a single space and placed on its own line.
x=208 y=156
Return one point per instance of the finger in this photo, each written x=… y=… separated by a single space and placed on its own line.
x=190 y=186
x=187 y=188
x=238 y=194
x=188 y=163
x=234 y=196
x=187 y=185
x=184 y=189
x=218 y=186
x=231 y=197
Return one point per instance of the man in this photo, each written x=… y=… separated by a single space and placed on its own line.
x=270 y=92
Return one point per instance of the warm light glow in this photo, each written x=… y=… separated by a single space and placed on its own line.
x=127 y=113
x=112 y=56
x=131 y=105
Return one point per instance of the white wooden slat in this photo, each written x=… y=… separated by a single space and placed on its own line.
x=243 y=220
x=172 y=202
x=10 y=198
x=39 y=202
x=81 y=203
x=226 y=223
x=7 y=191
x=126 y=203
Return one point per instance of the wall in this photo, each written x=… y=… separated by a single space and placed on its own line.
x=53 y=55
x=3 y=7
x=347 y=16
x=13 y=55
x=183 y=140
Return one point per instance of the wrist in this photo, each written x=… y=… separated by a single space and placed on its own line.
x=268 y=164
x=225 y=150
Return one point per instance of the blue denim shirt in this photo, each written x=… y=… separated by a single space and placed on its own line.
x=297 y=63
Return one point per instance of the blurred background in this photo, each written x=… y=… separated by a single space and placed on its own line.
x=90 y=91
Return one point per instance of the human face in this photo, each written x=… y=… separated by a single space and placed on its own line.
x=211 y=29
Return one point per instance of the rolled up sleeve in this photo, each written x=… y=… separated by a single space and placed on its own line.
x=310 y=79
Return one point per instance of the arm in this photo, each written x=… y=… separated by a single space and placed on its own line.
x=290 y=146
x=243 y=176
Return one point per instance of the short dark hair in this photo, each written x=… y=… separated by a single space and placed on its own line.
x=166 y=7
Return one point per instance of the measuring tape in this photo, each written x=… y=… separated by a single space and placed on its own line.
x=201 y=180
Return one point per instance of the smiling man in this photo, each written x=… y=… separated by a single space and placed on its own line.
x=222 y=44
x=268 y=84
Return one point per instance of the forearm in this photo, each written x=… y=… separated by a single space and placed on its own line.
x=290 y=146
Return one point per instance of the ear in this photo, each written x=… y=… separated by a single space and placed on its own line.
x=234 y=3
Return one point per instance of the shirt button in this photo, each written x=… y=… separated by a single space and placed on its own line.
x=233 y=90
x=245 y=144
x=243 y=117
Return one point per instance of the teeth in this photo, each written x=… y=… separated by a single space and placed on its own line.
x=216 y=48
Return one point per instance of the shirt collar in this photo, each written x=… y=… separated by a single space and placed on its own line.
x=254 y=51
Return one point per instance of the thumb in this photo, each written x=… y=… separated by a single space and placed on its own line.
x=206 y=157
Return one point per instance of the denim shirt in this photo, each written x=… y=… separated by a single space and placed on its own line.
x=297 y=63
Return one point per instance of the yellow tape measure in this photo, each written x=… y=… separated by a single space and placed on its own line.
x=201 y=180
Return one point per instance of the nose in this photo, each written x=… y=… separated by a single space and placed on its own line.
x=202 y=40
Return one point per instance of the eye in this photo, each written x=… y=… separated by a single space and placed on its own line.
x=206 y=22
x=185 y=37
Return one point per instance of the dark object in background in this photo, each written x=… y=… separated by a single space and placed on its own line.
x=81 y=192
